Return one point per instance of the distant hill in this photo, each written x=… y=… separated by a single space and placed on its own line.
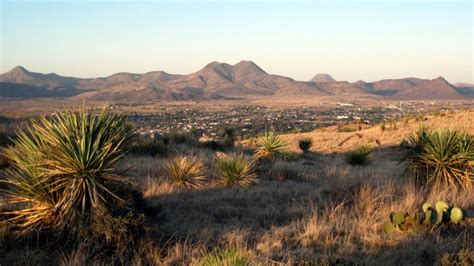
x=465 y=88
x=412 y=88
x=215 y=81
x=322 y=78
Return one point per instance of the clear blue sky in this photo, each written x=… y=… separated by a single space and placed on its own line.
x=351 y=40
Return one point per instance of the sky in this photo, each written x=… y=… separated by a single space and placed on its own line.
x=351 y=40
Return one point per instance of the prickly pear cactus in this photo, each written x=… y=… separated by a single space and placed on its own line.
x=427 y=216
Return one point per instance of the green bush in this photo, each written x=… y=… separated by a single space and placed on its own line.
x=359 y=156
x=63 y=170
x=148 y=147
x=180 y=138
x=440 y=158
x=228 y=137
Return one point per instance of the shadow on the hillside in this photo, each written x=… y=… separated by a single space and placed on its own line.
x=217 y=211
x=208 y=213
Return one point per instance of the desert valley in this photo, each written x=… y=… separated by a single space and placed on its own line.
x=324 y=133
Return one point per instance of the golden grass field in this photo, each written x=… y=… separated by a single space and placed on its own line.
x=312 y=210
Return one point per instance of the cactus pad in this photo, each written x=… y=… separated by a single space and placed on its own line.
x=456 y=215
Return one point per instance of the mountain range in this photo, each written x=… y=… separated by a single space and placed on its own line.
x=218 y=81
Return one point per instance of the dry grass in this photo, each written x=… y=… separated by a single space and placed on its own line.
x=315 y=209
x=329 y=140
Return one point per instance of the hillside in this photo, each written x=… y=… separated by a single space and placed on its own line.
x=330 y=140
x=412 y=88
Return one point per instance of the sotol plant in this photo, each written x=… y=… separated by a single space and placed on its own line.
x=305 y=144
x=427 y=217
x=440 y=158
x=63 y=169
x=236 y=170
x=185 y=172
x=270 y=146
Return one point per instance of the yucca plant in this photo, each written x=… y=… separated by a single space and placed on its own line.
x=236 y=170
x=62 y=168
x=185 y=172
x=270 y=146
x=305 y=144
x=440 y=158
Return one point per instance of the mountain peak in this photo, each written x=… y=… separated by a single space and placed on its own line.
x=323 y=78
x=441 y=78
x=19 y=69
x=248 y=67
x=246 y=63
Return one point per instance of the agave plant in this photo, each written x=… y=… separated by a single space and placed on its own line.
x=63 y=168
x=185 y=172
x=236 y=170
x=270 y=146
x=440 y=158
x=305 y=144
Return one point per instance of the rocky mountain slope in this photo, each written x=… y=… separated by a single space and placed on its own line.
x=215 y=81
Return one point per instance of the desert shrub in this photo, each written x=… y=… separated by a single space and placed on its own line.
x=236 y=170
x=226 y=257
x=214 y=145
x=148 y=147
x=185 y=172
x=228 y=137
x=63 y=170
x=440 y=158
x=180 y=138
x=270 y=146
x=359 y=156
x=305 y=144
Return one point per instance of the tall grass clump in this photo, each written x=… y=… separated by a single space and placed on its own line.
x=305 y=144
x=443 y=159
x=236 y=170
x=62 y=169
x=227 y=257
x=270 y=146
x=359 y=156
x=185 y=172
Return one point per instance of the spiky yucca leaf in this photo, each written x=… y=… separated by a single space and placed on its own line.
x=63 y=167
x=236 y=170
x=441 y=158
x=185 y=172
x=270 y=146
